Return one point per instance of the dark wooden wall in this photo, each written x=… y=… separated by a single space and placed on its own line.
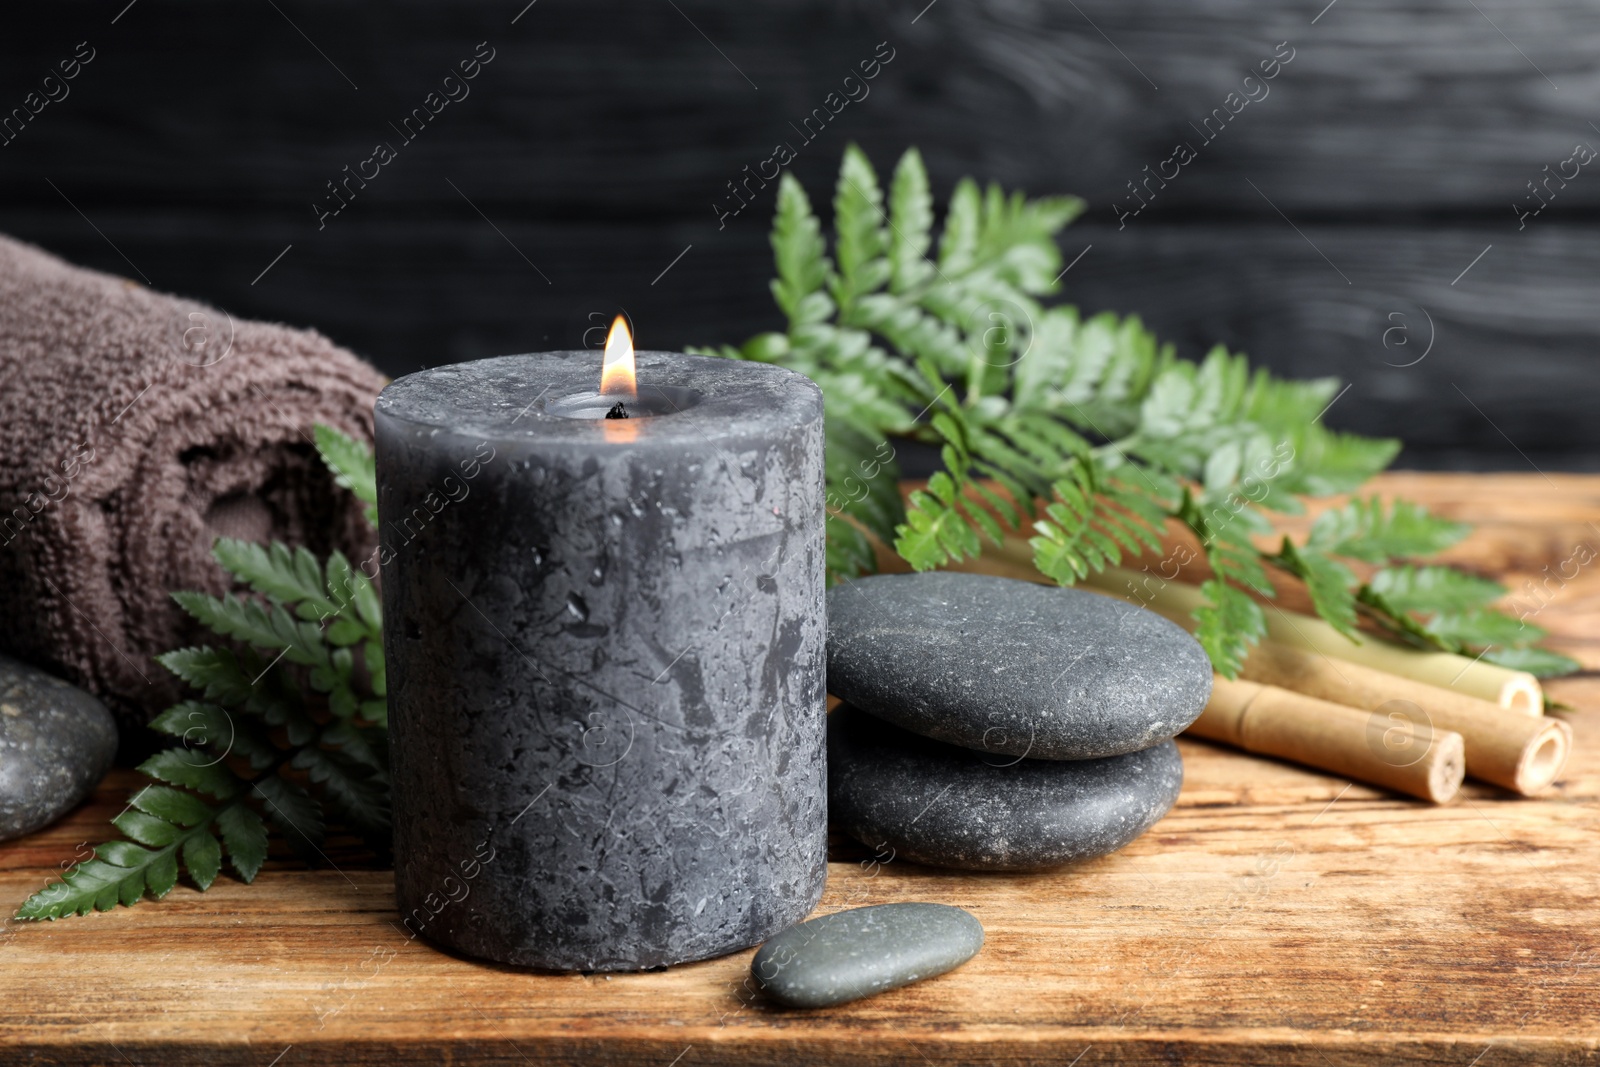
x=1384 y=160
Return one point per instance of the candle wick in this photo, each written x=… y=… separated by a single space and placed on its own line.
x=617 y=411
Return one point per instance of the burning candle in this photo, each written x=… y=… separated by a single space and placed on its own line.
x=604 y=633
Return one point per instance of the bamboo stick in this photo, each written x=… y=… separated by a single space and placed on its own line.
x=1523 y=753
x=1514 y=690
x=1518 y=752
x=1277 y=722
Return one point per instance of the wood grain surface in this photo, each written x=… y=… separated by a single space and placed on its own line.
x=1276 y=916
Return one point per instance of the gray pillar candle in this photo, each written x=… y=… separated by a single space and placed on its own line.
x=605 y=651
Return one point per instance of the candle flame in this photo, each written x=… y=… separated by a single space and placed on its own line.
x=616 y=373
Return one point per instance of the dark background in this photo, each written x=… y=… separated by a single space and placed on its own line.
x=1348 y=203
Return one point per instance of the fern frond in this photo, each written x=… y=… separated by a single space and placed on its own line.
x=1090 y=427
x=1374 y=532
x=1541 y=662
x=291 y=577
x=911 y=224
x=1480 y=628
x=213 y=671
x=264 y=626
x=164 y=825
x=354 y=792
x=295 y=814
x=935 y=531
x=859 y=244
x=798 y=248
x=1093 y=520
x=1434 y=589
x=1330 y=583
x=254 y=698
x=350 y=461
x=1228 y=624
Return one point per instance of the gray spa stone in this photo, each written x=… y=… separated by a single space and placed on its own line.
x=862 y=951
x=1012 y=667
x=56 y=743
x=928 y=802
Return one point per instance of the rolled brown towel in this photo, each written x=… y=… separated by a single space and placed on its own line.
x=135 y=428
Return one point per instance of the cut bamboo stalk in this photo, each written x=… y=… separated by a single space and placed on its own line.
x=1519 y=752
x=1515 y=690
x=1270 y=721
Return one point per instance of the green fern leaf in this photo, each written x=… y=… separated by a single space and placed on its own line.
x=1090 y=523
x=351 y=463
x=1228 y=624
x=346 y=632
x=266 y=627
x=295 y=813
x=245 y=836
x=122 y=872
x=1537 y=661
x=213 y=671
x=798 y=249
x=858 y=221
x=161 y=872
x=960 y=355
x=292 y=577
x=354 y=590
x=197 y=723
x=277 y=700
x=1368 y=530
x=1132 y=362
x=958 y=248
x=170 y=804
x=1479 y=628
x=1329 y=582
x=192 y=769
x=366 y=744
x=911 y=224
x=1434 y=589
x=147 y=829
x=1328 y=463
x=354 y=793
x=378 y=681
x=1240 y=564
x=261 y=683
x=912 y=330
x=935 y=532
x=94 y=885
x=864 y=477
x=848 y=551
x=202 y=857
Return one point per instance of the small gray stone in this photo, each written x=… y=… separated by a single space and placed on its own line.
x=56 y=743
x=946 y=806
x=862 y=951
x=1012 y=667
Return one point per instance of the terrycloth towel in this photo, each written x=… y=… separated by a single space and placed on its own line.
x=135 y=428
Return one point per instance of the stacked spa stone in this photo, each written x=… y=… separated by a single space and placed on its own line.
x=993 y=724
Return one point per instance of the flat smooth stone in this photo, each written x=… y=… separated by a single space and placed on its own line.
x=56 y=743
x=947 y=806
x=1012 y=667
x=862 y=951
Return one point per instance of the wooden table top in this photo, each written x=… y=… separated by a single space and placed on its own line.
x=1276 y=916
